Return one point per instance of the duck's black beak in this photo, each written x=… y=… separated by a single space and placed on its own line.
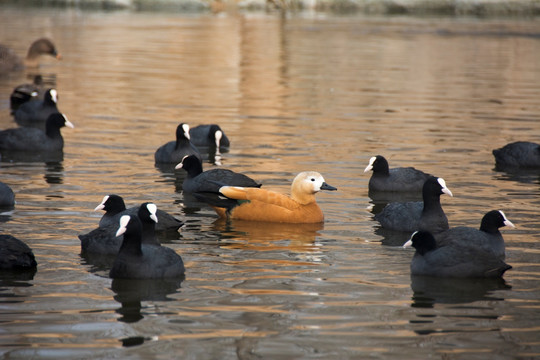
x=325 y=186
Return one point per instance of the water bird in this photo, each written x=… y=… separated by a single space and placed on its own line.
x=399 y=179
x=452 y=260
x=519 y=154
x=209 y=136
x=36 y=140
x=35 y=113
x=418 y=215
x=210 y=180
x=15 y=254
x=114 y=207
x=10 y=61
x=136 y=260
x=488 y=238
x=174 y=151
x=7 y=197
x=255 y=204
x=103 y=240
x=27 y=92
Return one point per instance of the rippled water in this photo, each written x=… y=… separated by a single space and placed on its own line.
x=293 y=93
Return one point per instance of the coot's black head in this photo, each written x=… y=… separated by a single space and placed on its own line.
x=422 y=241
x=57 y=121
x=182 y=132
x=493 y=220
x=113 y=203
x=50 y=97
x=435 y=186
x=191 y=164
x=378 y=164
x=130 y=227
x=148 y=212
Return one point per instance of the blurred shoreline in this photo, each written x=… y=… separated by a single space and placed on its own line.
x=480 y=8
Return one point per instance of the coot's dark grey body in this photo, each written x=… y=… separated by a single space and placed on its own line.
x=15 y=254
x=452 y=260
x=519 y=154
x=34 y=113
x=209 y=136
x=174 y=151
x=411 y=216
x=402 y=179
x=34 y=140
x=211 y=180
x=140 y=261
x=488 y=238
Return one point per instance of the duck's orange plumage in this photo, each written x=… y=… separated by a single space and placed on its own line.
x=263 y=205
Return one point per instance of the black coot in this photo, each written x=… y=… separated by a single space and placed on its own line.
x=401 y=179
x=139 y=261
x=210 y=180
x=411 y=216
x=452 y=260
x=174 y=151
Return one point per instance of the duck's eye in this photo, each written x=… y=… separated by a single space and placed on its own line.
x=312 y=179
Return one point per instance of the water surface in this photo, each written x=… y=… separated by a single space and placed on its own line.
x=294 y=93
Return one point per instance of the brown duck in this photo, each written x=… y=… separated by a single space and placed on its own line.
x=10 y=61
x=257 y=204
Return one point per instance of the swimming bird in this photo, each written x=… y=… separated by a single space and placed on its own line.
x=208 y=136
x=519 y=154
x=104 y=241
x=36 y=140
x=10 y=61
x=174 y=151
x=15 y=254
x=210 y=180
x=114 y=207
x=36 y=112
x=136 y=260
x=262 y=205
x=418 y=215
x=488 y=238
x=26 y=92
x=399 y=179
x=452 y=260
x=7 y=197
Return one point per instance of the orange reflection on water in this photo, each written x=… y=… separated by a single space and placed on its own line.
x=224 y=333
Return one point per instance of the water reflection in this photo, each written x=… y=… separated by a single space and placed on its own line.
x=12 y=279
x=5 y=215
x=294 y=92
x=17 y=278
x=168 y=171
x=134 y=341
x=392 y=237
x=54 y=172
x=131 y=292
x=23 y=156
x=46 y=80
x=525 y=176
x=248 y=234
x=429 y=291
x=99 y=263
x=172 y=176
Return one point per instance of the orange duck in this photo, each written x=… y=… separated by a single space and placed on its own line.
x=262 y=205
